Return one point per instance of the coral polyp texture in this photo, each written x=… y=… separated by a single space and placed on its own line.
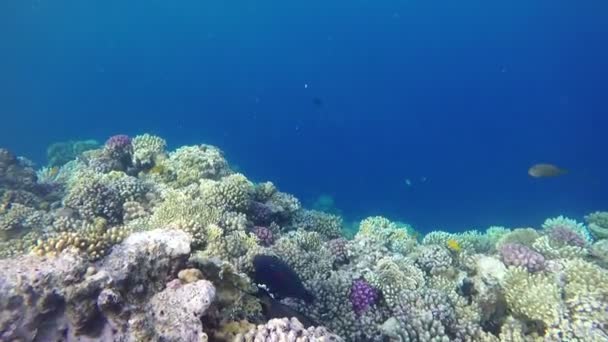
x=130 y=241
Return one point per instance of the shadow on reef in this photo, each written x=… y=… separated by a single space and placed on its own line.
x=132 y=242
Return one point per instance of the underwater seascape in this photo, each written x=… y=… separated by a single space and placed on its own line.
x=303 y=171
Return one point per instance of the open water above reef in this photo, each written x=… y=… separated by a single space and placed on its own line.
x=351 y=99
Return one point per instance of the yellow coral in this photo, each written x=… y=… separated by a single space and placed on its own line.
x=532 y=296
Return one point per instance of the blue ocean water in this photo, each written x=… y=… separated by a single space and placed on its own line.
x=353 y=99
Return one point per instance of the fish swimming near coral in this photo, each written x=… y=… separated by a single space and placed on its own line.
x=453 y=245
x=545 y=170
x=278 y=279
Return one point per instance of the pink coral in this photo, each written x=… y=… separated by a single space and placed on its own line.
x=566 y=236
x=264 y=234
x=338 y=249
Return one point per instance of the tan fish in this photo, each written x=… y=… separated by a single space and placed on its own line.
x=545 y=170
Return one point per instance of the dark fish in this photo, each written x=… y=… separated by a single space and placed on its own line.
x=280 y=280
x=317 y=102
x=545 y=170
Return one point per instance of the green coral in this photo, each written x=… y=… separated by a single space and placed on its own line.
x=60 y=153
x=522 y=236
x=598 y=224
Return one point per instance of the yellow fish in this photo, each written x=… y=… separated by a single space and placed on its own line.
x=453 y=245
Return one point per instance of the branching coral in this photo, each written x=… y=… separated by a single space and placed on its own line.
x=231 y=193
x=19 y=220
x=146 y=149
x=555 y=249
x=422 y=316
x=192 y=163
x=434 y=259
x=392 y=276
x=303 y=251
x=327 y=225
x=382 y=231
x=532 y=296
x=286 y=330
x=567 y=223
x=92 y=197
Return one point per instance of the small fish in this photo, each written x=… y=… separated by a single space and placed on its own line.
x=408 y=182
x=318 y=102
x=279 y=279
x=453 y=245
x=545 y=170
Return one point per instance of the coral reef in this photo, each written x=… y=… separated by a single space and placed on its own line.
x=130 y=241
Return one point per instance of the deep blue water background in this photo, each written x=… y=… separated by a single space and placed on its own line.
x=465 y=93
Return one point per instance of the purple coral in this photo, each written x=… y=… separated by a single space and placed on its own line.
x=566 y=236
x=261 y=213
x=514 y=254
x=118 y=142
x=119 y=146
x=264 y=234
x=362 y=296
